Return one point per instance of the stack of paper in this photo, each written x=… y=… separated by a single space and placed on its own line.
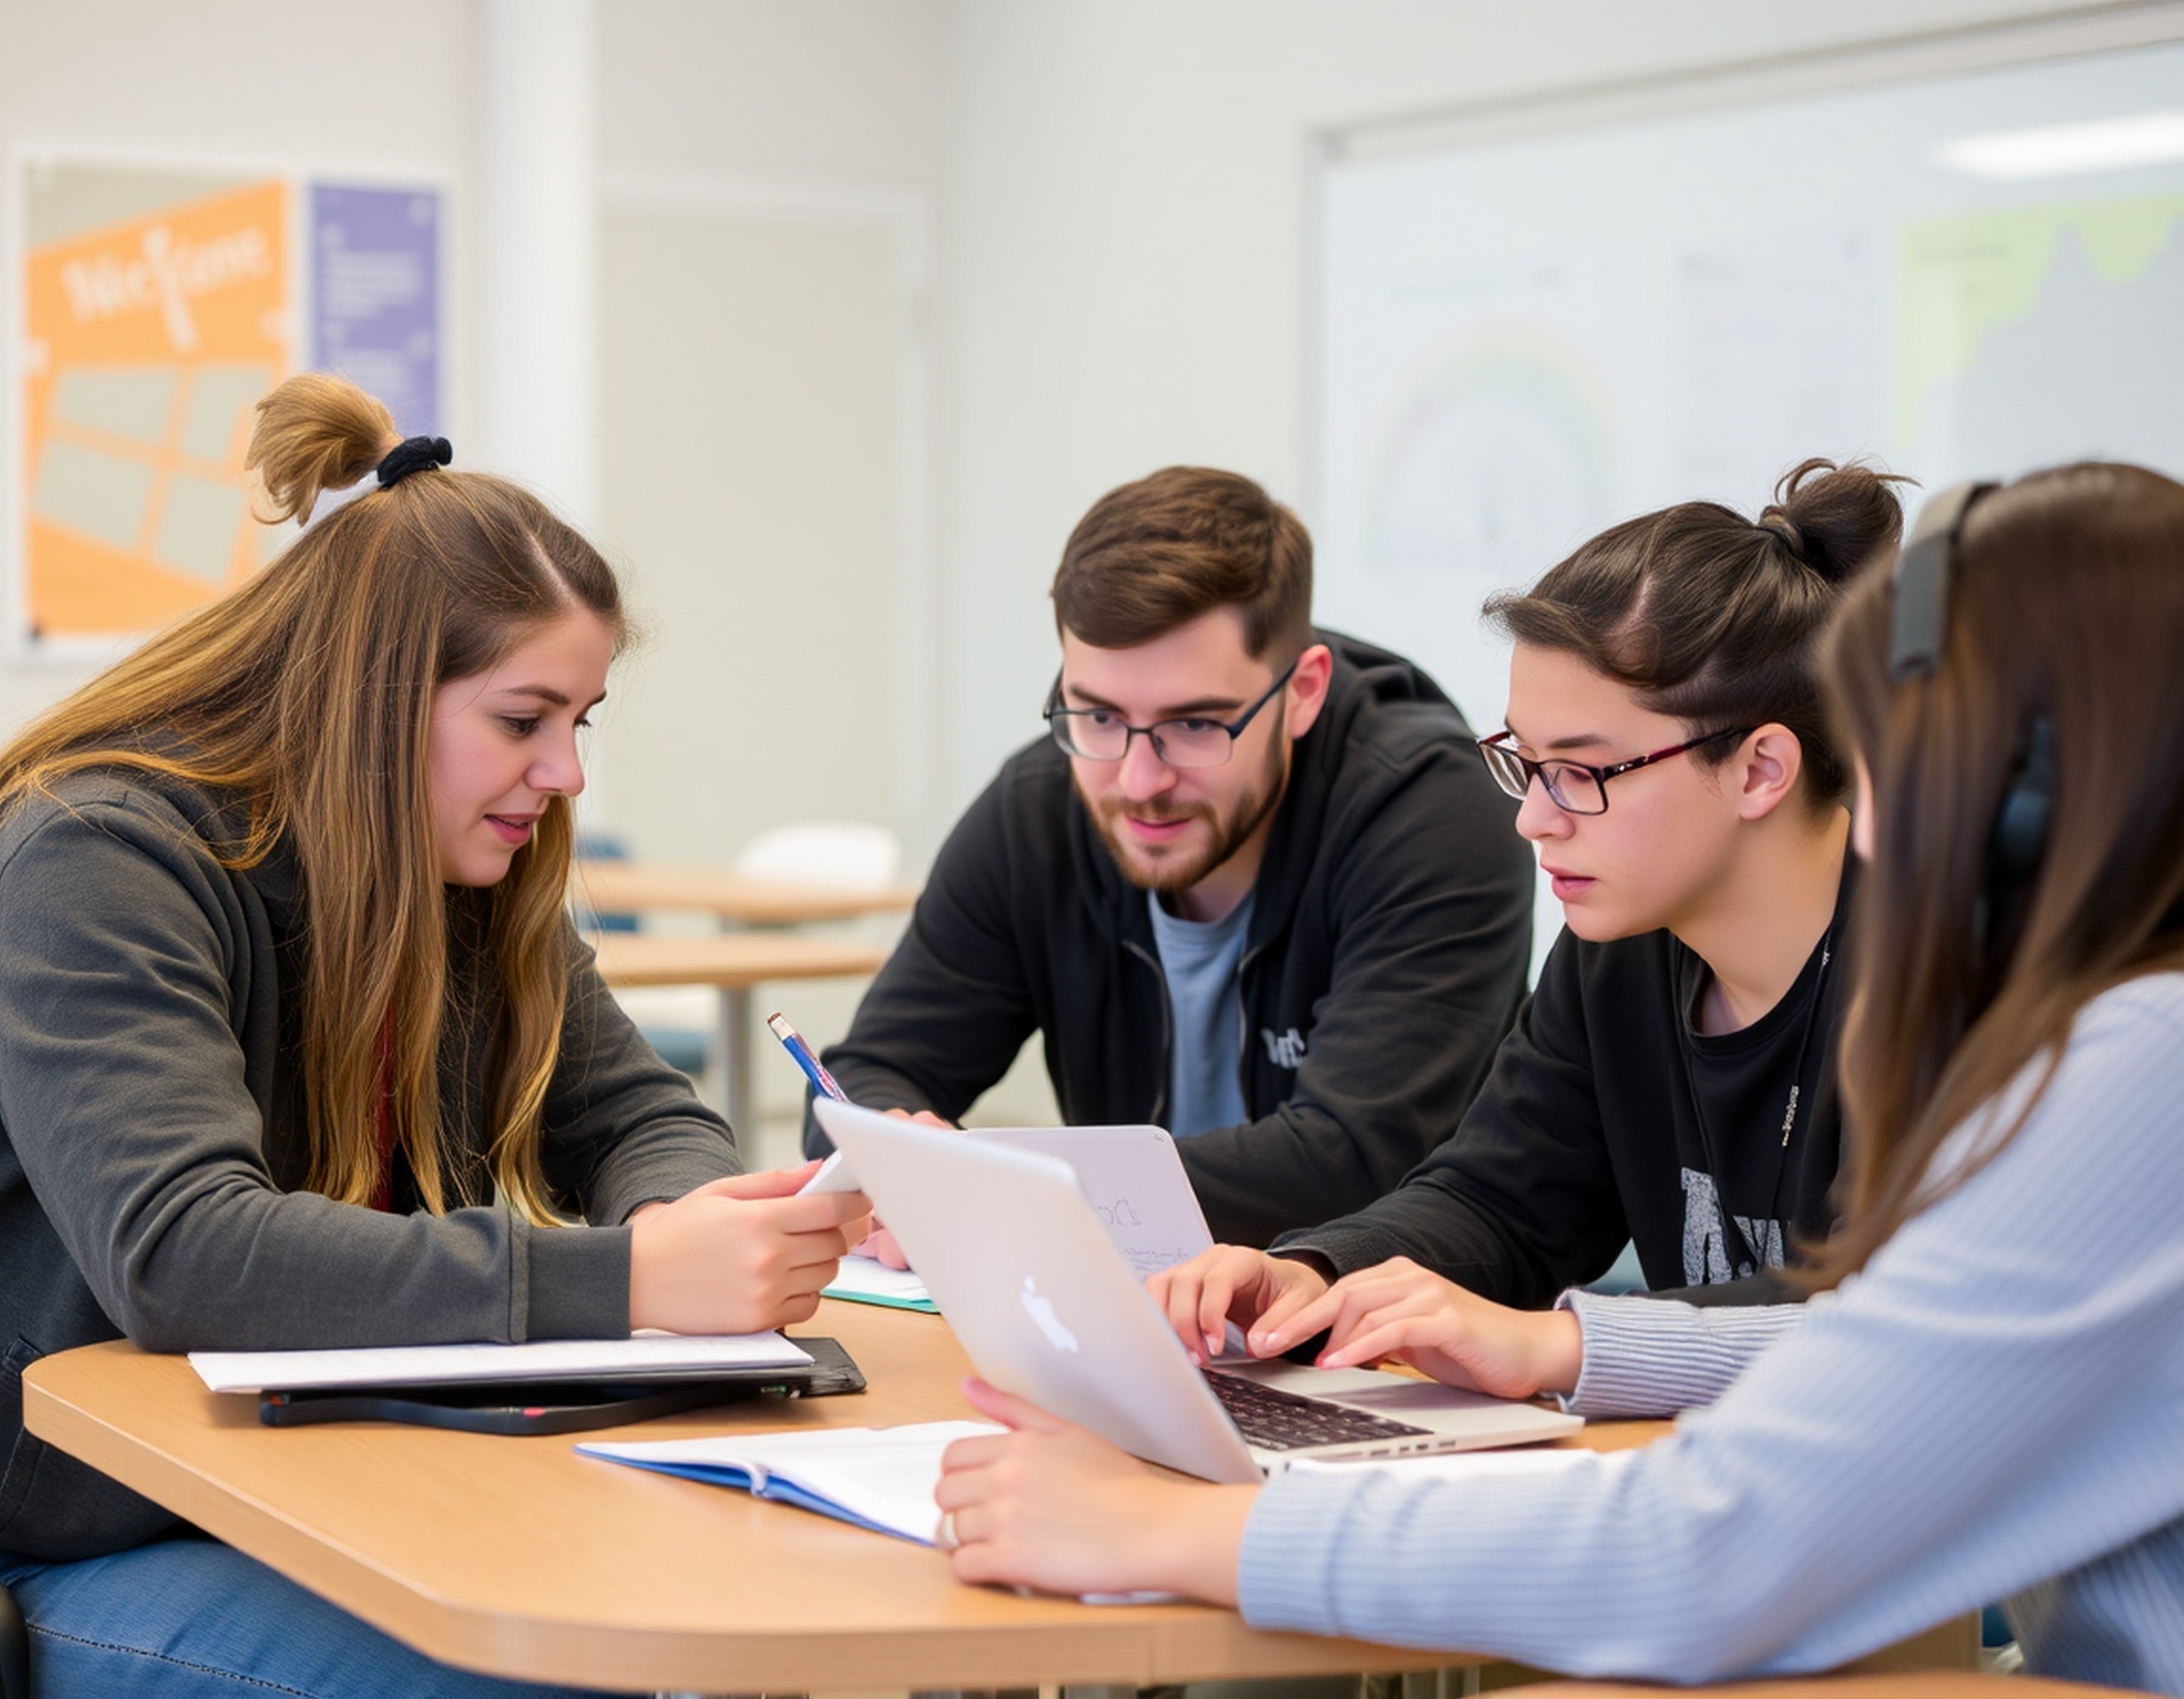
x=878 y=1478
x=642 y=1357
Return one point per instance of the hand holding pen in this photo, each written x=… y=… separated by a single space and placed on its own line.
x=834 y=1175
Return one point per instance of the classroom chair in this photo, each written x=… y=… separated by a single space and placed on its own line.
x=823 y=852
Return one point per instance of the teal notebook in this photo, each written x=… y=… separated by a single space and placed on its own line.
x=863 y=1281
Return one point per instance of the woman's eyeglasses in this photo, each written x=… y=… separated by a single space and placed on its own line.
x=1572 y=786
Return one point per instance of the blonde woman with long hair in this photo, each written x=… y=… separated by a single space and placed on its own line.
x=298 y=1047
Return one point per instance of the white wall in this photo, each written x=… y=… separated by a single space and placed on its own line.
x=769 y=133
x=832 y=92
x=1127 y=251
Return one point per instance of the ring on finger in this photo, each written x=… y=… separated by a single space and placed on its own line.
x=945 y=1537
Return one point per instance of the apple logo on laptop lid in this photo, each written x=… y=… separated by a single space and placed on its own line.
x=1040 y=1309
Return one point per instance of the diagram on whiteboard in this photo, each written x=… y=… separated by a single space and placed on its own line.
x=1521 y=341
x=2034 y=302
x=1524 y=338
x=1531 y=424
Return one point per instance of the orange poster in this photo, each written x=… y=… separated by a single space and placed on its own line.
x=150 y=339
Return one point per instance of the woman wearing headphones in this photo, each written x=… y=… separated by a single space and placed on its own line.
x=298 y=1047
x=1988 y=1398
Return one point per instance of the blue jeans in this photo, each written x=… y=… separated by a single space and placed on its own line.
x=192 y=1619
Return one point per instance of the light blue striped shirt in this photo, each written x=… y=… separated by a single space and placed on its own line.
x=1995 y=1407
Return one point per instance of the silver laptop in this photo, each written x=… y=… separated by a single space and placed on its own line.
x=1133 y=1180
x=1022 y=1267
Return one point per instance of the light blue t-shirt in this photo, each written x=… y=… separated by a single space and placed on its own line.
x=1204 y=1090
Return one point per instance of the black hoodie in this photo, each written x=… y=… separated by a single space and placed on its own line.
x=1390 y=932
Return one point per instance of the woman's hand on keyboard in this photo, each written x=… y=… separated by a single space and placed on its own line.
x=1396 y=1309
x=1231 y=1284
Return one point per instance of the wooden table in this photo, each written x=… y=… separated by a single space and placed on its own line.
x=517 y=1556
x=635 y=887
x=732 y=963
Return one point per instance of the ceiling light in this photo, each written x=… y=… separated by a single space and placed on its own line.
x=2063 y=150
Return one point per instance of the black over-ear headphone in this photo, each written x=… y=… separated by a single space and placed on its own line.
x=2019 y=836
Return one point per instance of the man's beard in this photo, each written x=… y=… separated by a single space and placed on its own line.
x=1176 y=872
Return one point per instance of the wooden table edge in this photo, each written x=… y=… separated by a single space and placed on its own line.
x=1138 y=1646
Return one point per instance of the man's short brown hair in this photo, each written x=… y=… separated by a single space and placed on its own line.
x=1154 y=554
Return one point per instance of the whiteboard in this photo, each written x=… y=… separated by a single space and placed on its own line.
x=1519 y=341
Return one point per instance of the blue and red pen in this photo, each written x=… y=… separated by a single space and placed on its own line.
x=800 y=1053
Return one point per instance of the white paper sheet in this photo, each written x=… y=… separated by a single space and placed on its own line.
x=873 y=1282
x=643 y=1357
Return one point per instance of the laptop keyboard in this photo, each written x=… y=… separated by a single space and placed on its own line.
x=1279 y=1421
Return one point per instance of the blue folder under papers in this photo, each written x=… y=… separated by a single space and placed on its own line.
x=880 y=1479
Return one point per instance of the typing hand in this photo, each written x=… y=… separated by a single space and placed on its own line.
x=1228 y=1284
x=741 y=1254
x=1050 y=1506
x=1401 y=1310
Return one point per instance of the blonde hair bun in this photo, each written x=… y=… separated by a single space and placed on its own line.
x=316 y=433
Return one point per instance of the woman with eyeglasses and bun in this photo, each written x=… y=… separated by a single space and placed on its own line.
x=1671 y=1082
x=299 y=1048
x=1987 y=1396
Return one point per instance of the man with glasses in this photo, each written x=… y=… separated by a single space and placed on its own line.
x=1254 y=885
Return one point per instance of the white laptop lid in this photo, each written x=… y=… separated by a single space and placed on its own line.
x=1133 y=1180
x=1023 y=1270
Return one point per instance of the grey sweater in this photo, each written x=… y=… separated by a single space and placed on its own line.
x=1994 y=1409
x=152 y=1145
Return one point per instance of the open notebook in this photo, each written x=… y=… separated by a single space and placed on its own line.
x=878 y=1478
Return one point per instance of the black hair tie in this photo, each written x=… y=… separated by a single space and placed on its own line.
x=1776 y=520
x=412 y=455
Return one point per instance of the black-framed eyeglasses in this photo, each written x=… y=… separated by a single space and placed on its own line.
x=1572 y=786
x=1101 y=734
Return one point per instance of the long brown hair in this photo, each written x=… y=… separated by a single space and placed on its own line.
x=1712 y=617
x=2066 y=602
x=306 y=694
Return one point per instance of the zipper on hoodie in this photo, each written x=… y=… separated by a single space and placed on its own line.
x=1244 y=1030
x=1167 y=1026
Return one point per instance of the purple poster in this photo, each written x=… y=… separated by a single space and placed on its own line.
x=376 y=297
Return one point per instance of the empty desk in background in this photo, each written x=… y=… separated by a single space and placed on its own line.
x=732 y=963
x=608 y=887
